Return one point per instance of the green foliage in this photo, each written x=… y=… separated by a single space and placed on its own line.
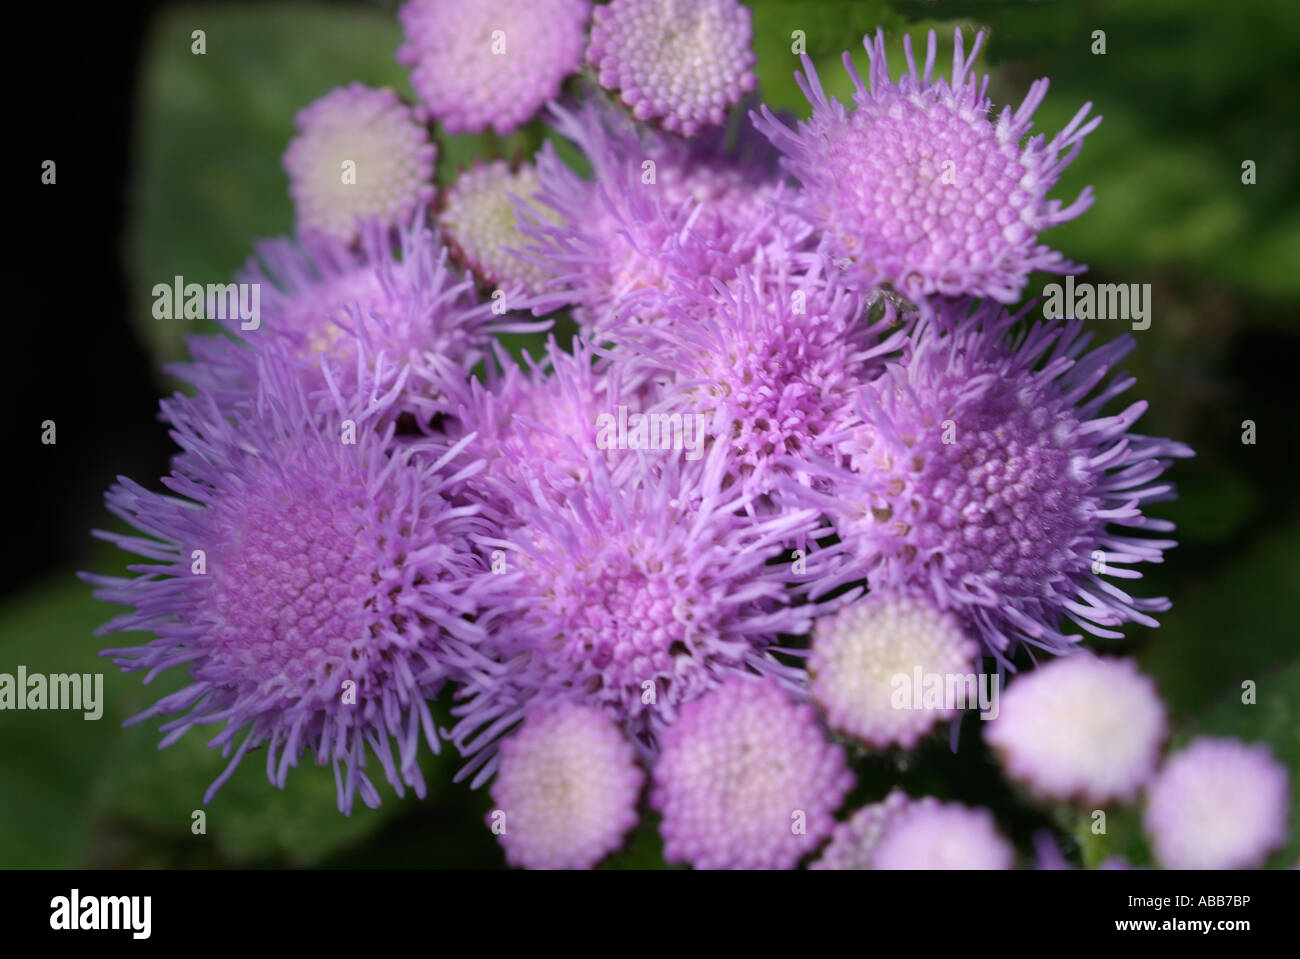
x=154 y=793
x=1188 y=93
x=1232 y=621
x=49 y=757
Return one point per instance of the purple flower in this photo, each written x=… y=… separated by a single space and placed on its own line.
x=313 y=585
x=918 y=187
x=534 y=424
x=773 y=362
x=1218 y=804
x=490 y=63
x=567 y=788
x=643 y=590
x=359 y=154
x=479 y=222
x=985 y=475
x=853 y=841
x=859 y=654
x=747 y=780
x=656 y=208
x=374 y=315
x=1080 y=727
x=1048 y=853
x=680 y=63
x=930 y=834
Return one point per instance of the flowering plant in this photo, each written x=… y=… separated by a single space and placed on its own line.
x=802 y=476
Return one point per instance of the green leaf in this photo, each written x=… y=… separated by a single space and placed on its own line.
x=249 y=821
x=76 y=784
x=49 y=756
x=1122 y=839
x=828 y=29
x=1233 y=621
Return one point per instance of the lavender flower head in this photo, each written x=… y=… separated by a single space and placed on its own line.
x=371 y=315
x=987 y=476
x=1080 y=727
x=479 y=64
x=480 y=224
x=655 y=208
x=853 y=842
x=931 y=834
x=860 y=652
x=681 y=63
x=359 y=154
x=567 y=789
x=1218 y=804
x=638 y=594
x=747 y=780
x=918 y=187
x=773 y=362
x=534 y=424
x=314 y=587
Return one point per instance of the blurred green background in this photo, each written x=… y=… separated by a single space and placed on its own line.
x=1189 y=90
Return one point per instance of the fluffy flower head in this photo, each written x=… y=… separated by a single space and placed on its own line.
x=639 y=593
x=930 y=834
x=1080 y=727
x=314 y=586
x=480 y=223
x=359 y=154
x=1218 y=804
x=987 y=477
x=534 y=423
x=373 y=316
x=747 y=780
x=477 y=64
x=854 y=841
x=656 y=207
x=773 y=361
x=860 y=652
x=682 y=63
x=567 y=785
x=917 y=186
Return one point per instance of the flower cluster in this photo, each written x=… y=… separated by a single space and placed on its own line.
x=798 y=449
